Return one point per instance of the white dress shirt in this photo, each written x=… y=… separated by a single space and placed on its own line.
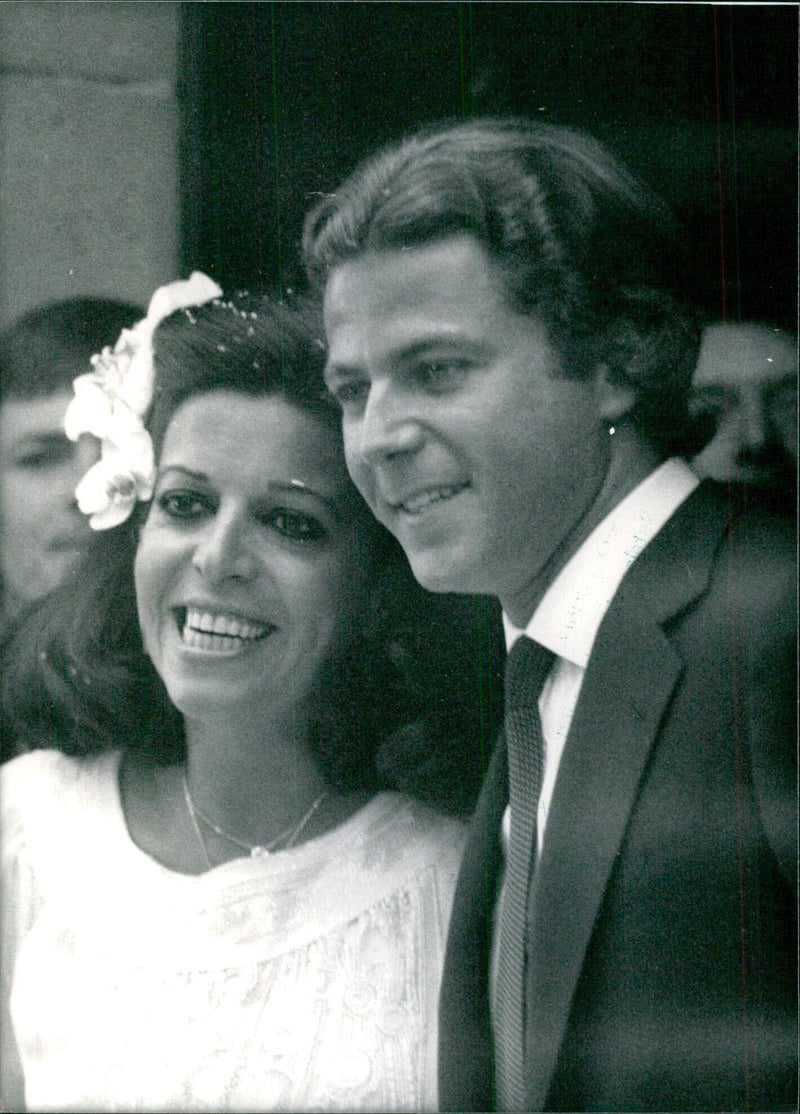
x=571 y=610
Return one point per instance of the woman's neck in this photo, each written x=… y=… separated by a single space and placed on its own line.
x=252 y=781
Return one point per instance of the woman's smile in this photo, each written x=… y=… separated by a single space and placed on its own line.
x=219 y=632
x=251 y=563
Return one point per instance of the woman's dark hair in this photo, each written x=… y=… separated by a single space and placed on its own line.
x=413 y=702
x=42 y=351
x=578 y=241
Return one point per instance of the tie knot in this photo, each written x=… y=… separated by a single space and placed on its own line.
x=527 y=667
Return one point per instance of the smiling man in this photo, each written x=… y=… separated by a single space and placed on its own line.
x=513 y=371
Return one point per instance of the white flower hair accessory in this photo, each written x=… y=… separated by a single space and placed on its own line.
x=111 y=401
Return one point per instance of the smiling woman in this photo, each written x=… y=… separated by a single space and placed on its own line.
x=217 y=897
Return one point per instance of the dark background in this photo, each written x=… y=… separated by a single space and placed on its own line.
x=281 y=99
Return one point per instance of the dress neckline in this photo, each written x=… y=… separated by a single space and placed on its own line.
x=374 y=814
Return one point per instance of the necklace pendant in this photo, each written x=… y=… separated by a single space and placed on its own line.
x=259 y=852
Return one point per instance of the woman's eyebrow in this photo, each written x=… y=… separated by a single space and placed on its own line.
x=188 y=473
x=274 y=487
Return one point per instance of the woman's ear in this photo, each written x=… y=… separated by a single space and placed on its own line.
x=615 y=400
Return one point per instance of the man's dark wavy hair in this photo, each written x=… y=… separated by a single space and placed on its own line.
x=412 y=703
x=43 y=350
x=579 y=242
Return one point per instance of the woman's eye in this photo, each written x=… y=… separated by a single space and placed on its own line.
x=184 y=504
x=296 y=526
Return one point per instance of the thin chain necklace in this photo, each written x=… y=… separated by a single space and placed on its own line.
x=284 y=840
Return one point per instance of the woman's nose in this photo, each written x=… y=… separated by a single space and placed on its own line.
x=223 y=551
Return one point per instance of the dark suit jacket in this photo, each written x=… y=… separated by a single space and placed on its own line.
x=661 y=927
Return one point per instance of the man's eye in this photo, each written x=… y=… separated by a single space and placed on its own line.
x=42 y=456
x=441 y=374
x=782 y=396
x=711 y=401
x=296 y=526
x=184 y=505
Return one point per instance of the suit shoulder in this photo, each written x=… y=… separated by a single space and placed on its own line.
x=760 y=551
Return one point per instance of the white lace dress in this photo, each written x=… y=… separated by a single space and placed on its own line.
x=301 y=981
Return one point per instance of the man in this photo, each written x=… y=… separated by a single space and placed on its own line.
x=746 y=379
x=43 y=531
x=513 y=375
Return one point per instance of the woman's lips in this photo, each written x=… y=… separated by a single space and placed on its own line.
x=203 y=629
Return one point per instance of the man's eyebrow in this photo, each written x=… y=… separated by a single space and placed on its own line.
x=298 y=487
x=420 y=346
x=42 y=437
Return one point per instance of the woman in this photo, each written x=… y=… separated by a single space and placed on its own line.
x=210 y=904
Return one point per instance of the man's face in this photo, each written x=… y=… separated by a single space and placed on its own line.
x=43 y=531
x=460 y=430
x=746 y=377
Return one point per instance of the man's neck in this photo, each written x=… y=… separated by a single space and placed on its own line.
x=631 y=460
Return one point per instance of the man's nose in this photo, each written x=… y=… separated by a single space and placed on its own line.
x=223 y=551
x=389 y=424
x=754 y=419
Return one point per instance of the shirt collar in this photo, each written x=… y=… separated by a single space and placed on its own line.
x=571 y=610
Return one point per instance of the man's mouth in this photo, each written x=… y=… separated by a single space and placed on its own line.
x=219 y=631
x=416 y=504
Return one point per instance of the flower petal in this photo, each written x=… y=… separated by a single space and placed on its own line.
x=194 y=291
x=117 y=511
x=108 y=492
x=92 y=492
x=136 y=389
x=133 y=457
x=110 y=368
x=89 y=411
x=122 y=424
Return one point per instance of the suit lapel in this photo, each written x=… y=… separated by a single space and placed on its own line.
x=630 y=678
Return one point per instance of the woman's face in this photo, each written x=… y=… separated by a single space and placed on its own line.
x=254 y=561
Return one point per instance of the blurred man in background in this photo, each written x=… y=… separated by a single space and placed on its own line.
x=41 y=353
x=746 y=379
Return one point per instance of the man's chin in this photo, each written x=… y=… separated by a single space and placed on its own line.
x=438 y=573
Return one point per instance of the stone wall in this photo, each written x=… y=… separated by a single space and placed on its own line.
x=88 y=151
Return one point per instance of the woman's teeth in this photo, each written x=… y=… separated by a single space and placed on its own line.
x=203 y=630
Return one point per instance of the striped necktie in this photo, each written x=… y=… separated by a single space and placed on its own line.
x=526 y=669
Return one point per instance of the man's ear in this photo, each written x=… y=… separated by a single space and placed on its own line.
x=614 y=400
